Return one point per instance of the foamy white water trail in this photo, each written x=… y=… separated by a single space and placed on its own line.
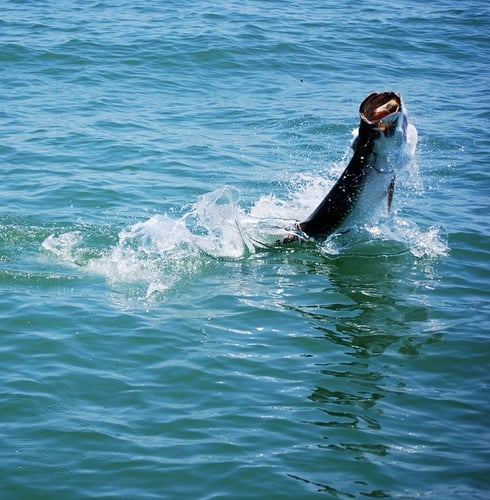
x=161 y=252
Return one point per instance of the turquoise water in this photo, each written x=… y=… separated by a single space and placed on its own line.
x=154 y=345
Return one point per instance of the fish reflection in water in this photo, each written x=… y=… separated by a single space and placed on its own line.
x=372 y=321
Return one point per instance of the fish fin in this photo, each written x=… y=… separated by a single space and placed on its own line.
x=391 y=191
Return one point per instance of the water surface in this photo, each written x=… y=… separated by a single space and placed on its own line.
x=150 y=347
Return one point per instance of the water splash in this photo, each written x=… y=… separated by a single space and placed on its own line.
x=64 y=246
x=216 y=225
x=393 y=237
x=162 y=252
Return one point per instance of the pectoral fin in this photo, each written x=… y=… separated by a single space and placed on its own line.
x=391 y=191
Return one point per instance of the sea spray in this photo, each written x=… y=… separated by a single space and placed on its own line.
x=160 y=253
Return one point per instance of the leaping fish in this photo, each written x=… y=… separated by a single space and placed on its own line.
x=384 y=142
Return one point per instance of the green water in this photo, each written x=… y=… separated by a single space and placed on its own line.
x=150 y=348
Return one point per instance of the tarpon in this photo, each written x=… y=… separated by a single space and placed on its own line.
x=384 y=142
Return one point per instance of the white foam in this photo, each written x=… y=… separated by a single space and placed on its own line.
x=216 y=225
x=154 y=253
x=161 y=252
x=64 y=245
x=429 y=242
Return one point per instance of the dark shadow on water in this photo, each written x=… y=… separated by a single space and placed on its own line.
x=374 y=315
x=371 y=304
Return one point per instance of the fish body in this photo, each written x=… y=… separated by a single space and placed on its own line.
x=384 y=142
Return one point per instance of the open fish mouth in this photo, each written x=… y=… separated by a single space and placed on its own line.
x=381 y=111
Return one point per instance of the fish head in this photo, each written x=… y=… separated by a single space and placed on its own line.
x=386 y=131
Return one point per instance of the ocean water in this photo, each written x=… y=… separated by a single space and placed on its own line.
x=155 y=343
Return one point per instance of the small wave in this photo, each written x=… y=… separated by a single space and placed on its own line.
x=395 y=237
x=64 y=246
